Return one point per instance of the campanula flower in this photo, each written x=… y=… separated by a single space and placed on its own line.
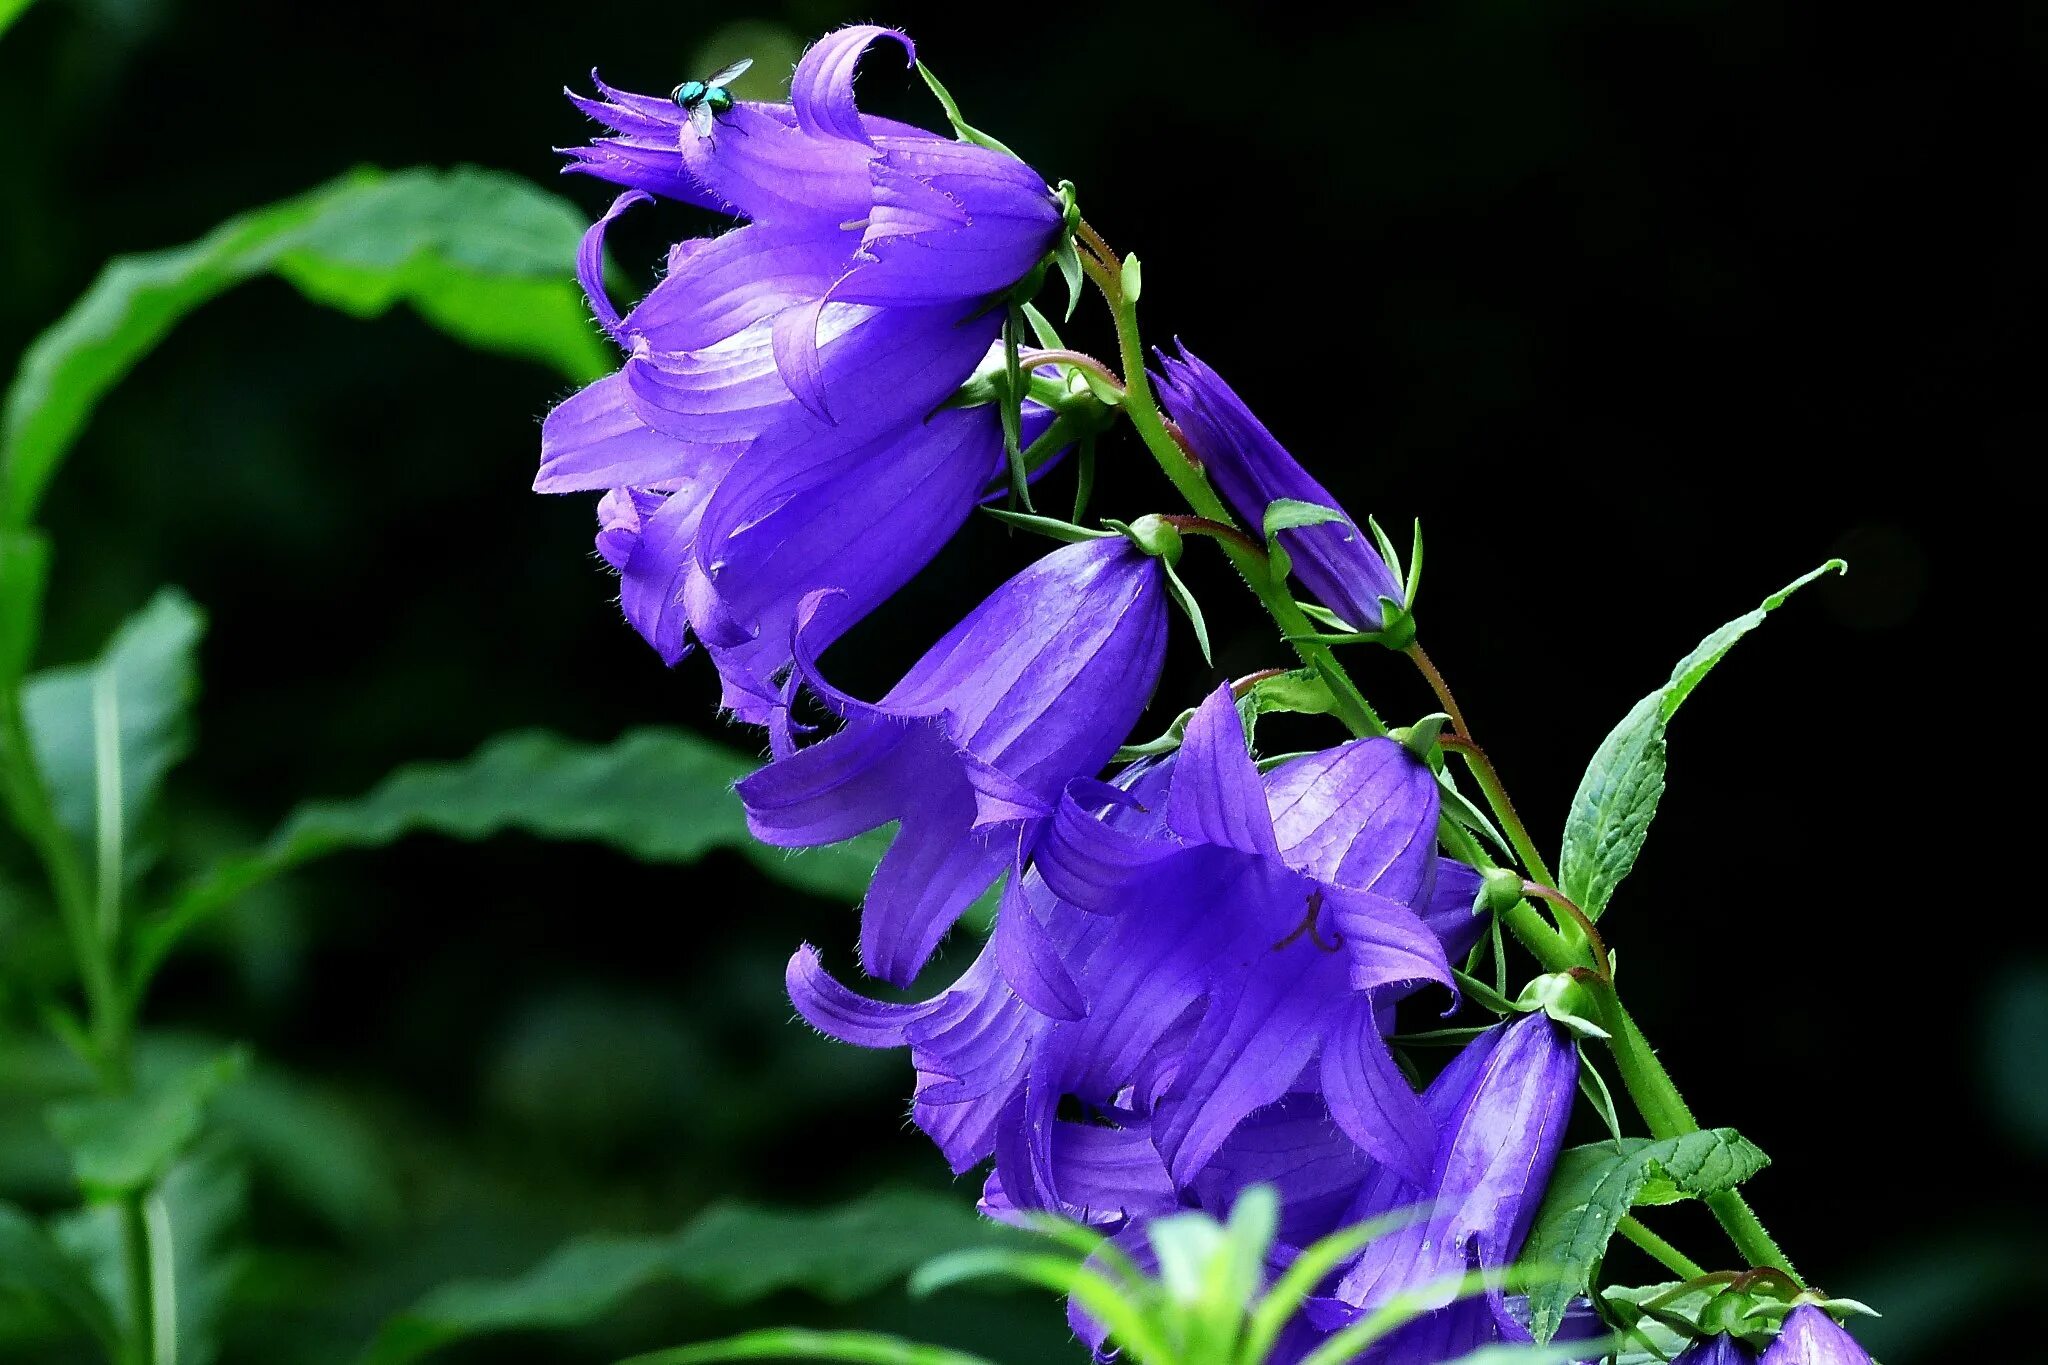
x=1036 y=687
x=1251 y=469
x=1719 y=1349
x=817 y=338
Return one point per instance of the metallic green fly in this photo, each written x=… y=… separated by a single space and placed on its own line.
x=702 y=99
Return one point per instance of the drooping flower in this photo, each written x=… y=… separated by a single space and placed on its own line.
x=1811 y=1337
x=1231 y=967
x=1499 y=1110
x=1719 y=1349
x=971 y=1044
x=1251 y=469
x=807 y=348
x=1035 y=688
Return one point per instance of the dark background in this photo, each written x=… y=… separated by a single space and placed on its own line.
x=1644 y=308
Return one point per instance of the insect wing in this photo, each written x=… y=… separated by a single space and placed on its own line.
x=730 y=73
x=700 y=117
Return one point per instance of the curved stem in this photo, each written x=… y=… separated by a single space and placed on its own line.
x=1078 y=359
x=1193 y=486
x=1603 y=964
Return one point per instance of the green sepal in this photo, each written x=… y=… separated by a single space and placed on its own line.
x=1066 y=256
x=1133 y=279
x=1289 y=514
x=1500 y=888
x=1420 y=738
x=1565 y=999
x=1084 y=474
x=1012 y=409
x=1170 y=740
x=1298 y=691
x=1457 y=809
x=962 y=129
x=1593 y=1086
x=1396 y=633
x=1153 y=534
x=1485 y=996
x=1064 y=531
x=1185 y=600
x=1042 y=330
x=1323 y=616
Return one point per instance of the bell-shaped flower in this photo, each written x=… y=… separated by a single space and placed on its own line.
x=1811 y=1337
x=1035 y=688
x=1499 y=1110
x=1719 y=1349
x=1251 y=469
x=973 y=1043
x=1233 y=966
x=816 y=337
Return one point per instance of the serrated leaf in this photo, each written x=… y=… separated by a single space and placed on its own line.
x=31 y=1262
x=1617 y=798
x=484 y=256
x=732 y=1254
x=120 y=1144
x=662 y=796
x=126 y=715
x=1595 y=1185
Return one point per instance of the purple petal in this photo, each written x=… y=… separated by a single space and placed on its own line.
x=1811 y=1337
x=594 y=439
x=590 y=264
x=1716 y=1350
x=1447 y=909
x=721 y=286
x=650 y=581
x=842 y=786
x=1029 y=959
x=822 y=89
x=1363 y=814
x=1369 y=1097
x=932 y=872
x=1385 y=943
x=847 y=1015
x=1217 y=796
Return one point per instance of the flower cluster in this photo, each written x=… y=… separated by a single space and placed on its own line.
x=1192 y=974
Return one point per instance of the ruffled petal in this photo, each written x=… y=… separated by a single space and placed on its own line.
x=590 y=264
x=847 y=1015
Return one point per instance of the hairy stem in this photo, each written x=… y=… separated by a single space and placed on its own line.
x=1665 y=1254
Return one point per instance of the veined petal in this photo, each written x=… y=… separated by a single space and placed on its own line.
x=1719 y=1349
x=723 y=285
x=839 y=787
x=1811 y=1337
x=1447 y=908
x=1029 y=959
x=1363 y=814
x=932 y=872
x=1385 y=943
x=594 y=439
x=650 y=581
x=590 y=264
x=847 y=1015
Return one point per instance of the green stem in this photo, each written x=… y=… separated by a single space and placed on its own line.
x=1193 y=486
x=1665 y=1254
x=1649 y=1086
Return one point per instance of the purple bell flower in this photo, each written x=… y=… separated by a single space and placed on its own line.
x=1036 y=687
x=1719 y=1349
x=806 y=352
x=1500 y=1110
x=1811 y=1337
x=1235 y=964
x=1335 y=561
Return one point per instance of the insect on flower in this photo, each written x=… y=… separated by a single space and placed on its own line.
x=702 y=99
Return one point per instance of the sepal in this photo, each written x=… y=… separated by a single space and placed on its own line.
x=1566 y=999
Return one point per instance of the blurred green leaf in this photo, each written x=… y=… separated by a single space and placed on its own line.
x=141 y=687
x=10 y=10
x=485 y=256
x=731 y=1253
x=120 y=1144
x=1594 y=1185
x=24 y=572
x=32 y=1262
x=1617 y=798
x=798 y=1343
x=662 y=796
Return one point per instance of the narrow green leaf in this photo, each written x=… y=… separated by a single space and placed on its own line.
x=1287 y=514
x=1595 y=1185
x=31 y=1262
x=732 y=1254
x=1185 y=600
x=661 y=796
x=1065 y=531
x=1617 y=798
x=484 y=256
x=962 y=129
x=147 y=678
x=24 y=573
x=801 y=1343
x=122 y=1144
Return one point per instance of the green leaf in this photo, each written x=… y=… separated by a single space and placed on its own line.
x=801 y=1343
x=32 y=1262
x=24 y=572
x=1595 y=1185
x=962 y=129
x=106 y=733
x=122 y=1144
x=731 y=1254
x=1287 y=514
x=10 y=10
x=661 y=796
x=1617 y=798
x=1185 y=600
x=482 y=255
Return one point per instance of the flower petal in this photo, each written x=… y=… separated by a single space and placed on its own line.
x=1370 y=1098
x=1217 y=797
x=822 y=89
